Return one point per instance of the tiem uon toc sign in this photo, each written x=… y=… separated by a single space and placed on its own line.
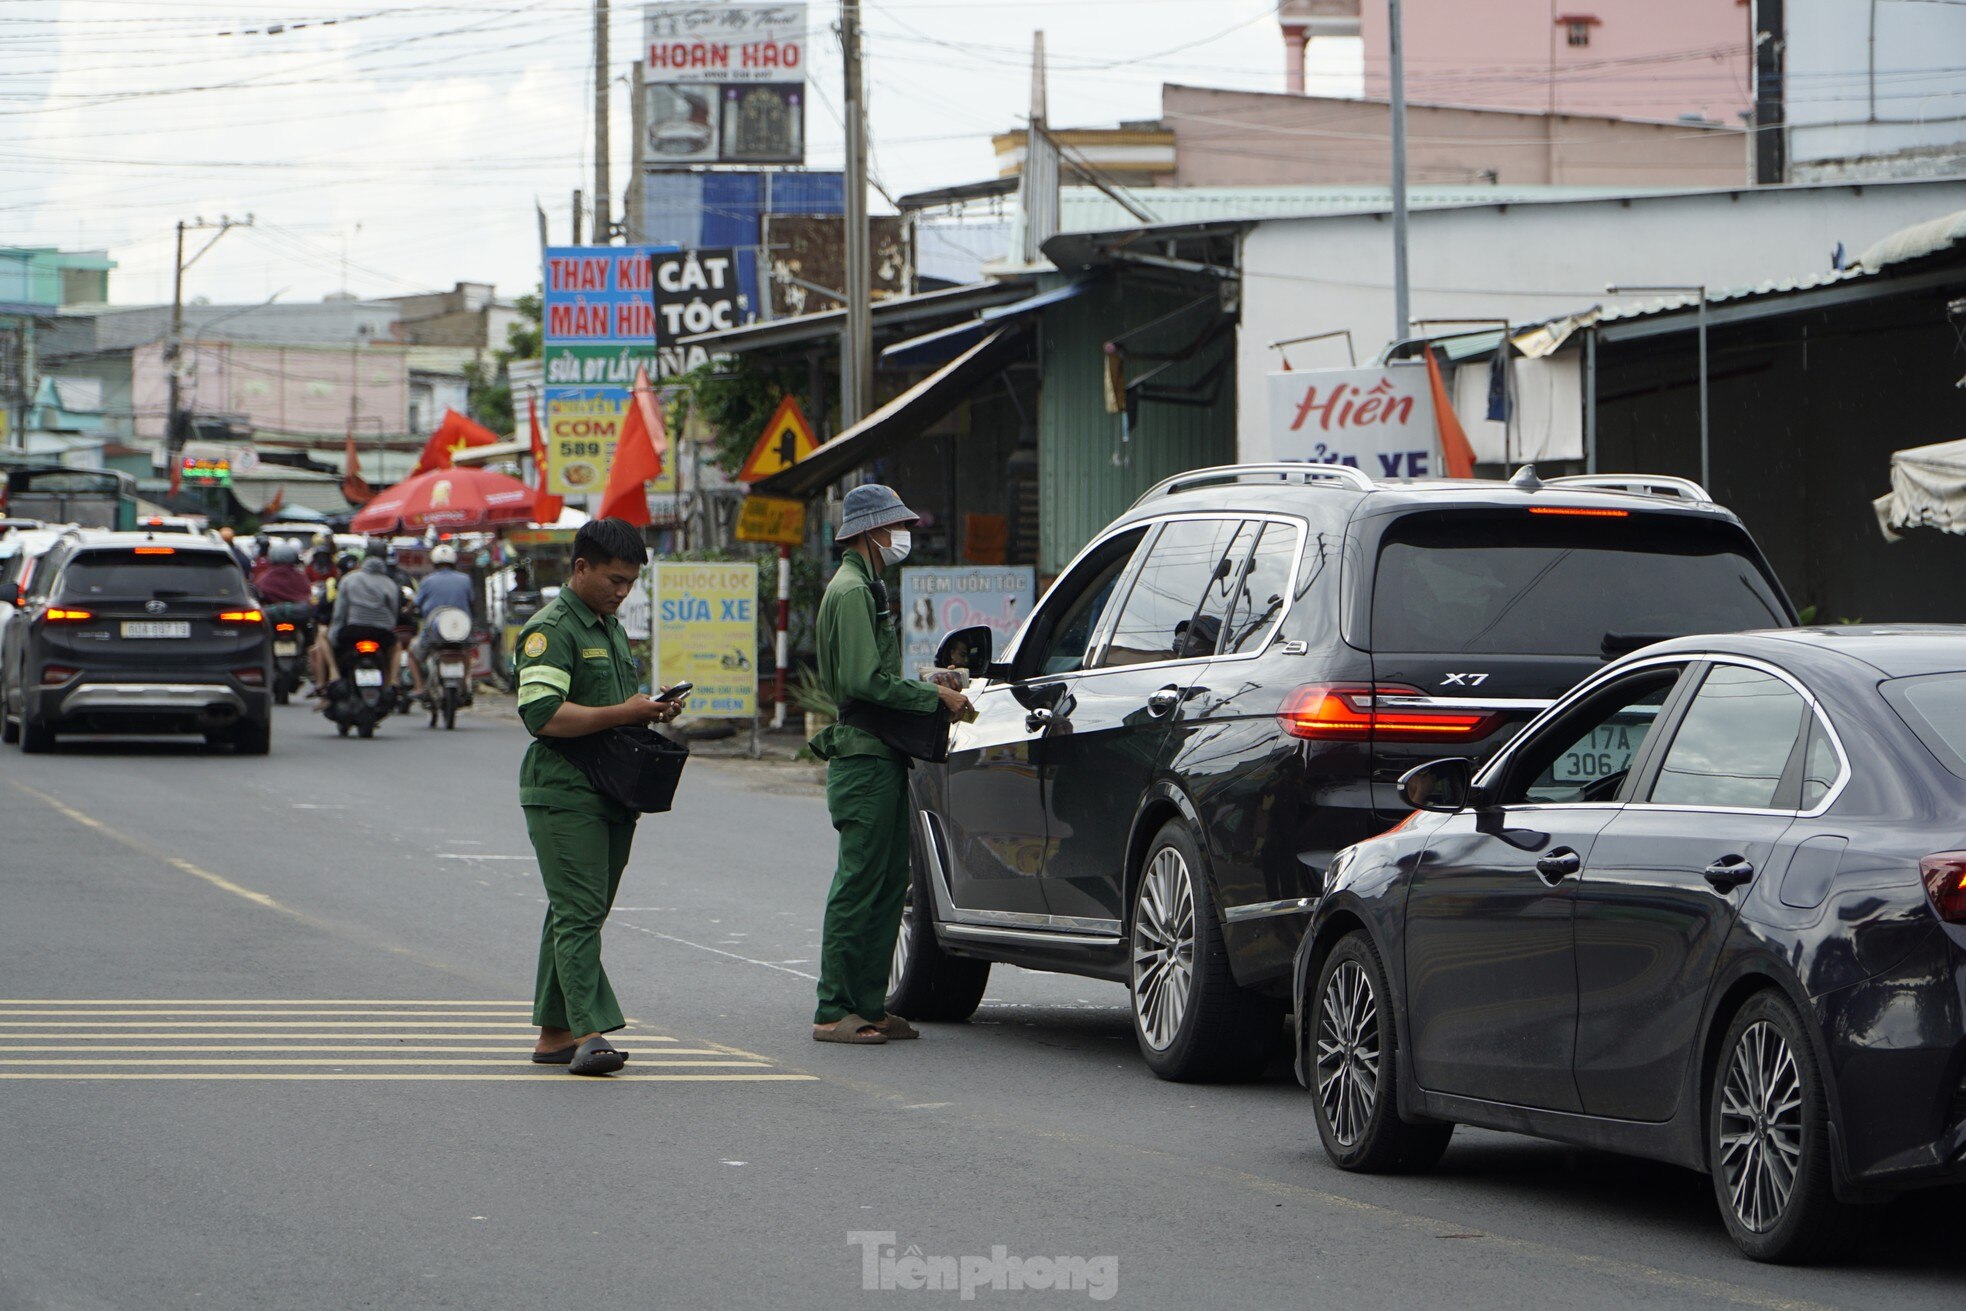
x=1378 y=420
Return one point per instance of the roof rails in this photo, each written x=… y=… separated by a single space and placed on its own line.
x=1638 y=484
x=1280 y=472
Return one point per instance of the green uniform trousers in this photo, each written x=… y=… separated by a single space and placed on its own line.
x=580 y=859
x=867 y=797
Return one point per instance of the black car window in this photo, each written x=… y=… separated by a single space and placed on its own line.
x=1934 y=707
x=1587 y=755
x=1734 y=745
x=1820 y=766
x=1158 y=621
x=1065 y=621
x=1527 y=583
x=1204 y=629
x=1260 y=601
x=144 y=573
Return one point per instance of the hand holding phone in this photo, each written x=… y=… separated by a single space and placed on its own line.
x=676 y=693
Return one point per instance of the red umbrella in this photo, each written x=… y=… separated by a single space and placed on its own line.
x=455 y=500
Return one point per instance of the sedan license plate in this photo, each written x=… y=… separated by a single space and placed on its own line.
x=451 y=669
x=1608 y=750
x=368 y=678
x=156 y=628
x=284 y=649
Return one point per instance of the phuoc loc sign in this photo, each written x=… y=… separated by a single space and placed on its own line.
x=1379 y=420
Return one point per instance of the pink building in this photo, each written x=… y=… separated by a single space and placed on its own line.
x=1647 y=59
x=294 y=392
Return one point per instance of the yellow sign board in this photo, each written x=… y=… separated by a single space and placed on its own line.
x=706 y=633
x=786 y=440
x=772 y=519
x=580 y=435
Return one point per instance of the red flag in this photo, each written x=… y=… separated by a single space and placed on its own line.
x=637 y=456
x=177 y=474
x=1453 y=441
x=353 y=488
x=455 y=433
x=546 y=509
x=273 y=506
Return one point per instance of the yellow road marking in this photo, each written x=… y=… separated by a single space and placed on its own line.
x=503 y=1003
x=247 y=1024
x=546 y=1074
x=406 y=1059
x=462 y=1016
x=137 y=1031
x=659 y=1054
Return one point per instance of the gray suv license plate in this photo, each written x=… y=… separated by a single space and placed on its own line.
x=156 y=628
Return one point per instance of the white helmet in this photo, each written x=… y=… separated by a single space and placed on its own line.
x=443 y=554
x=284 y=551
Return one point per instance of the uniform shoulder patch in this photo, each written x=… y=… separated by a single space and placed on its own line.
x=535 y=645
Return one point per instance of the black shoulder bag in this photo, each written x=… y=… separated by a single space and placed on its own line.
x=917 y=734
x=634 y=766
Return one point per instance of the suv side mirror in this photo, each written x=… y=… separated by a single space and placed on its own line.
x=967 y=648
x=1445 y=787
x=9 y=593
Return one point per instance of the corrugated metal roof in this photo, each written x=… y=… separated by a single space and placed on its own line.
x=1087 y=209
x=1919 y=239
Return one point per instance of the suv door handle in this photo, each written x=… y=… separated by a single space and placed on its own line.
x=1038 y=720
x=1729 y=872
x=1559 y=865
x=1164 y=701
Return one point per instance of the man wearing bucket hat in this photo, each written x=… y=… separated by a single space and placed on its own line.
x=866 y=780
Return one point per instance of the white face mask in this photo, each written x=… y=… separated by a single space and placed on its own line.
x=897 y=546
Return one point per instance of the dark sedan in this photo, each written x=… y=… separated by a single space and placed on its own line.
x=1709 y=908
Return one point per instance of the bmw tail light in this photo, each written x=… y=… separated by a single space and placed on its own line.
x=1380 y=712
x=52 y=674
x=367 y=646
x=1945 y=884
x=55 y=615
x=241 y=617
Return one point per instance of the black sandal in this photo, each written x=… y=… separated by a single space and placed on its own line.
x=596 y=1056
x=558 y=1056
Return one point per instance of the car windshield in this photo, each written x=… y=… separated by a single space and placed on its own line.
x=1517 y=584
x=130 y=576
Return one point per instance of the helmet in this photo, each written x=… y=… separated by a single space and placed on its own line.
x=346 y=562
x=284 y=551
x=444 y=554
x=377 y=549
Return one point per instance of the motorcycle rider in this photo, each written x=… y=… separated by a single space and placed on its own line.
x=445 y=588
x=282 y=580
x=365 y=606
x=319 y=657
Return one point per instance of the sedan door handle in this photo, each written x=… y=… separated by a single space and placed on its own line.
x=1729 y=873
x=1164 y=701
x=1038 y=720
x=1559 y=865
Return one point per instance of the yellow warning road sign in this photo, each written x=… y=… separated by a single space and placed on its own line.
x=772 y=519
x=786 y=440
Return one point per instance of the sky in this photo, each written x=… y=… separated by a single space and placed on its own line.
x=403 y=148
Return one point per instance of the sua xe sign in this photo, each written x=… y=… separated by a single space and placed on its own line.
x=1380 y=420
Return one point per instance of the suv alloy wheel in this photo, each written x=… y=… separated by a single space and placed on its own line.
x=1193 y=1023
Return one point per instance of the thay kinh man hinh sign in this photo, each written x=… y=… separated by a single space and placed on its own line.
x=724 y=83
x=1378 y=420
x=936 y=600
x=609 y=310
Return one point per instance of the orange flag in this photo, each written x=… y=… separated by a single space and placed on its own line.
x=273 y=506
x=454 y=433
x=353 y=488
x=177 y=472
x=545 y=508
x=637 y=456
x=1453 y=441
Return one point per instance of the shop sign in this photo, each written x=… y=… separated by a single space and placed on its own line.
x=936 y=600
x=706 y=633
x=582 y=426
x=774 y=520
x=1378 y=420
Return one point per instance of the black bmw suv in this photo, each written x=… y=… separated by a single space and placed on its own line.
x=136 y=633
x=1222 y=691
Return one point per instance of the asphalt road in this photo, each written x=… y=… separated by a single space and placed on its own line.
x=262 y=1041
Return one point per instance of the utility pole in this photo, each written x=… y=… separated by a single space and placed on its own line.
x=175 y=420
x=857 y=348
x=602 y=185
x=1397 y=46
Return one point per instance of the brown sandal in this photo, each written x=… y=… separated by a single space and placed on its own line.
x=895 y=1028
x=848 y=1029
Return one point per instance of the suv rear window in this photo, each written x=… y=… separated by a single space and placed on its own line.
x=1521 y=584
x=129 y=576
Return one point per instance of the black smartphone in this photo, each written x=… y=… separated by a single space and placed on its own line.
x=676 y=693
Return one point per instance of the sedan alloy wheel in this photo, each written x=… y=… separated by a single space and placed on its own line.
x=1761 y=1127
x=1348 y=1053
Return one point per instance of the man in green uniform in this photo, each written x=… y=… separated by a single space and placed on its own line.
x=866 y=780
x=576 y=677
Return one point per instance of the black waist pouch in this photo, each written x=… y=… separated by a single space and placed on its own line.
x=634 y=766
x=919 y=735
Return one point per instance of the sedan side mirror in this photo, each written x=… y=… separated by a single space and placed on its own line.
x=1442 y=786
x=969 y=649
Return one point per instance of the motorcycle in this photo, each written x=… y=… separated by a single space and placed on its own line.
x=293 y=634
x=447 y=668
x=360 y=699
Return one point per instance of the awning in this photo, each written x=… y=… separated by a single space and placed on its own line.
x=888 y=315
x=935 y=347
x=1928 y=490
x=907 y=415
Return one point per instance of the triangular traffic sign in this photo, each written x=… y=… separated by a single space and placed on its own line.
x=786 y=440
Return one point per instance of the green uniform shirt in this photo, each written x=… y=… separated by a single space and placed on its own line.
x=566 y=652
x=860 y=660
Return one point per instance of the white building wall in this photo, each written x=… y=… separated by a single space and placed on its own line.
x=1872 y=77
x=1536 y=260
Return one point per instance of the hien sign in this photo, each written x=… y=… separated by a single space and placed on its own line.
x=1380 y=420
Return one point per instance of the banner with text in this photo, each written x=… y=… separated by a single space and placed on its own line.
x=724 y=83
x=1379 y=420
x=938 y=599
x=706 y=633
